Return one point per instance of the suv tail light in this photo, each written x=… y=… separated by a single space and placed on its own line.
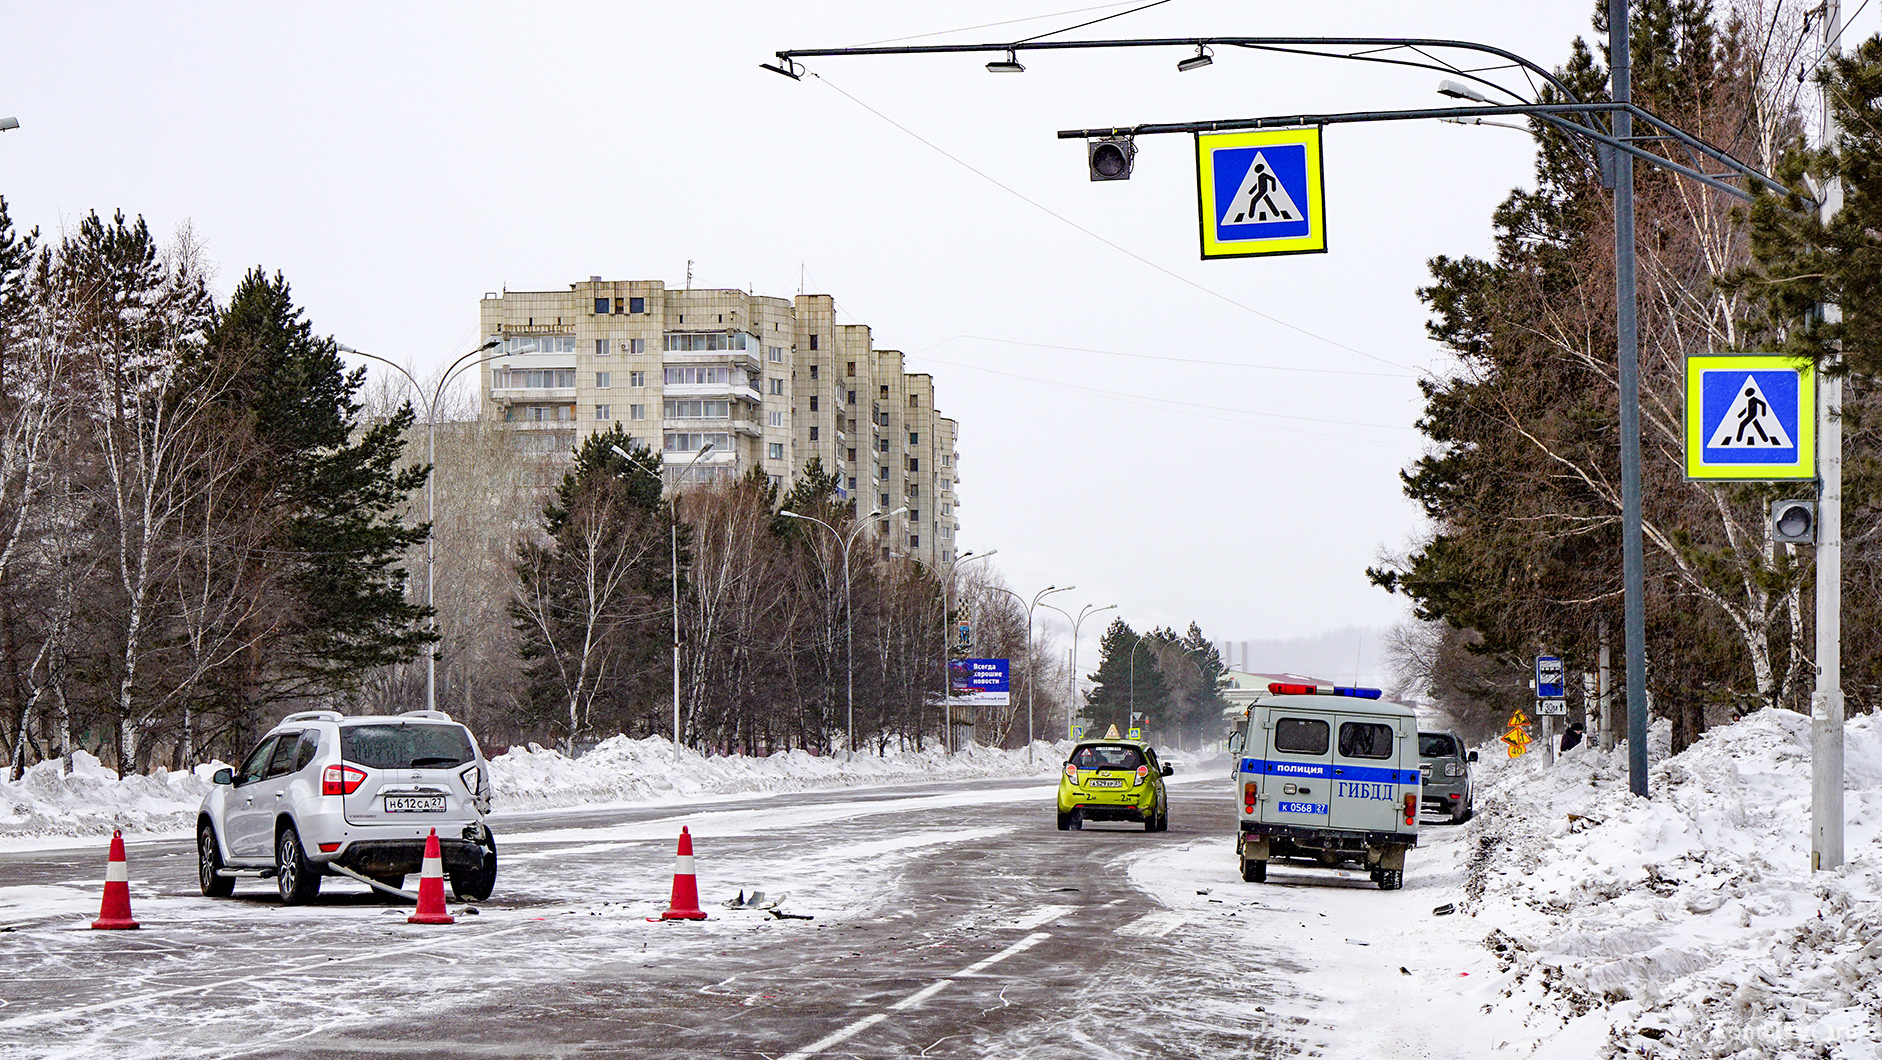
x=341 y=780
x=1071 y=770
x=1411 y=807
x=1142 y=772
x=473 y=778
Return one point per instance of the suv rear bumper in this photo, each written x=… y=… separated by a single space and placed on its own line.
x=402 y=857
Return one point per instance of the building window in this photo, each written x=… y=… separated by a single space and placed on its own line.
x=852 y=478
x=883 y=474
x=776 y=450
x=602 y=412
x=619 y=305
x=883 y=528
x=601 y=380
x=689 y=442
x=852 y=397
x=637 y=412
x=601 y=347
x=813 y=341
x=813 y=371
x=813 y=434
x=777 y=385
x=947 y=460
x=637 y=378
x=914 y=401
x=882 y=445
x=914 y=489
x=774 y=418
x=852 y=456
x=533 y=379
x=914 y=464
x=947 y=509
x=850 y=371
x=774 y=354
x=885 y=390
x=776 y=481
x=914 y=515
x=697 y=376
x=698 y=410
x=914 y=438
x=601 y=306
x=885 y=500
x=539 y=344
x=637 y=305
x=637 y=345
x=813 y=402
x=914 y=541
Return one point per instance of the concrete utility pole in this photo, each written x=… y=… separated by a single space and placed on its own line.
x=1826 y=703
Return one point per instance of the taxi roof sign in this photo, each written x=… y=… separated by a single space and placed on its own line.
x=1260 y=193
x=1750 y=418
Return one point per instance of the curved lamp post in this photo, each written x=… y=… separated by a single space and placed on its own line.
x=703 y=450
x=849 y=616
x=1040 y=595
x=947 y=608
x=1071 y=684
x=431 y=459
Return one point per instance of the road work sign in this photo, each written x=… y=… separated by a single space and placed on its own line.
x=1260 y=193
x=1750 y=418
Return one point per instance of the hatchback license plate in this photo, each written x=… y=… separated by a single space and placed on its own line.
x=414 y=804
x=1099 y=783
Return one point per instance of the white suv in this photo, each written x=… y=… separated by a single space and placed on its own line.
x=323 y=792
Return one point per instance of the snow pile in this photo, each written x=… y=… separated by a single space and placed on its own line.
x=92 y=801
x=1688 y=924
x=628 y=770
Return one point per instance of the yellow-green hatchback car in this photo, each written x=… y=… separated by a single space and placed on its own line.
x=1114 y=780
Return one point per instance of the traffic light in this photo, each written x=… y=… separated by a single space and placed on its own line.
x=1110 y=159
x=1793 y=522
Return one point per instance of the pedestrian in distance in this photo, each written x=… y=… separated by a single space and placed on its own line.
x=1572 y=736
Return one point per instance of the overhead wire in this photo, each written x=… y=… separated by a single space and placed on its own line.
x=991 y=25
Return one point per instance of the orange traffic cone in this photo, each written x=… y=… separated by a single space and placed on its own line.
x=115 y=912
x=431 y=887
x=685 y=904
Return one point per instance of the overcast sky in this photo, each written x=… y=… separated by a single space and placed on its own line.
x=1210 y=441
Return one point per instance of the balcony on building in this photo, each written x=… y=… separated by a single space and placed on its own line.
x=729 y=347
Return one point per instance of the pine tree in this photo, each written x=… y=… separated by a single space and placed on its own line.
x=1127 y=680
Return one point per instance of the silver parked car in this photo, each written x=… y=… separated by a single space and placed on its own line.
x=324 y=791
x=1446 y=768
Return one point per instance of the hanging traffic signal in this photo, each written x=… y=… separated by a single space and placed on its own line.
x=1794 y=522
x=1110 y=159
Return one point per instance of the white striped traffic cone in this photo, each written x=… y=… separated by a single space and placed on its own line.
x=685 y=903
x=115 y=911
x=431 y=887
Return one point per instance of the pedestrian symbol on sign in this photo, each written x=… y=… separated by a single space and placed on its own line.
x=1261 y=197
x=1750 y=422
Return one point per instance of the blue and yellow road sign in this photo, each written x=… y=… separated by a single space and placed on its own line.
x=1260 y=193
x=1750 y=418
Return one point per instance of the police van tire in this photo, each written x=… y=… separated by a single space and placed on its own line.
x=1390 y=879
x=1255 y=871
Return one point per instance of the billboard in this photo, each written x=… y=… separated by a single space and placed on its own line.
x=978 y=682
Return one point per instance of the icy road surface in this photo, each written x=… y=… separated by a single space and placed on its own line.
x=951 y=920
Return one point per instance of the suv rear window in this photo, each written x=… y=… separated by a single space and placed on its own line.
x=1107 y=757
x=1436 y=745
x=406 y=745
x=1300 y=736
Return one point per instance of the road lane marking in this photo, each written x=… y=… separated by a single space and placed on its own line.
x=918 y=997
x=1042 y=916
x=1154 y=925
x=438 y=942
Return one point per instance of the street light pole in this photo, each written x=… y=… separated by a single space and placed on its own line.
x=1040 y=595
x=1071 y=683
x=849 y=613
x=431 y=462
x=947 y=619
x=675 y=579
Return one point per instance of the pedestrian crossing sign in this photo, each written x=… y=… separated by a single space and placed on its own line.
x=1260 y=193
x=1750 y=418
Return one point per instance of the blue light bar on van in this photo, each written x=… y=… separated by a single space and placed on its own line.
x=1357 y=693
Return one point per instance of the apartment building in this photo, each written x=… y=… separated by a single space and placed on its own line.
x=764 y=382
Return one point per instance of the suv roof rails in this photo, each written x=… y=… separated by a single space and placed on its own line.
x=438 y=714
x=313 y=715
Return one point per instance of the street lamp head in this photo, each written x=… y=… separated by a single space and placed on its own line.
x=9 y=123
x=1460 y=90
x=1010 y=65
x=491 y=345
x=1197 y=61
x=900 y=511
x=788 y=514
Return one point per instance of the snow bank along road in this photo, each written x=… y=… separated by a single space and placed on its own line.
x=950 y=919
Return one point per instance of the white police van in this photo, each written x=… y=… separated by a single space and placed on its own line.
x=1327 y=775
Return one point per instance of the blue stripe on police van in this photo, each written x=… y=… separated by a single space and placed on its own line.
x=1373 y=774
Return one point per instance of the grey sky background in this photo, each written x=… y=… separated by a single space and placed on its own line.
x=1207 y=441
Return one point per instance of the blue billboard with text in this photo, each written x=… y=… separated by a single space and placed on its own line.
x=978 y=682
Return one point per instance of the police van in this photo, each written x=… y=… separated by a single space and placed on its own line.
x=1328 y=776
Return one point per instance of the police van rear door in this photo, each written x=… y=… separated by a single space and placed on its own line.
x=1297 y=770
x=1365 y=788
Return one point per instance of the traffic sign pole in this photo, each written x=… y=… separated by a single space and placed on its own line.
x=1826 y=703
